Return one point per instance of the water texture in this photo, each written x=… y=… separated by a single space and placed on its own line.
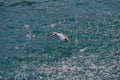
x=93 y=27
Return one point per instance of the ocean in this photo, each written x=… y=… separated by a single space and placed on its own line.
x=92 y=26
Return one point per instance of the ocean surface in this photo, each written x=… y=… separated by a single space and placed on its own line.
x=93 y=27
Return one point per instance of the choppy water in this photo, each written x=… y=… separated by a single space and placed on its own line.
x=93 y=27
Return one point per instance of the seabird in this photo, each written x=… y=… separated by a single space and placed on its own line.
x=61 y=36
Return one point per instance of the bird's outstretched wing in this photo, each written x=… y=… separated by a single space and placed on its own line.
x=51 y=34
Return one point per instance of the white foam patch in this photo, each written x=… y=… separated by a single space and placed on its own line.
x=83 y=49
x=73 y=68
x=16 y=47
x=29 y=34
x=26 y=26
x=53 y=25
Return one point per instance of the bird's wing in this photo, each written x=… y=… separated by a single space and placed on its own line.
x=51 y=34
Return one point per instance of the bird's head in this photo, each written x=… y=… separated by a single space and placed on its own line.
x=67 y=40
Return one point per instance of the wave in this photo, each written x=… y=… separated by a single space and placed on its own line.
x=21 y=3
x=79 y=66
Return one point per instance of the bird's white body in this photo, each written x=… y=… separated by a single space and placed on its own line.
x=61 y=36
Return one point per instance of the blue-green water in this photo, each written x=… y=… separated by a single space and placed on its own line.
x=93 y=27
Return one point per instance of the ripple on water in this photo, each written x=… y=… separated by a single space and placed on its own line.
x=75 y=67
x=92 y=26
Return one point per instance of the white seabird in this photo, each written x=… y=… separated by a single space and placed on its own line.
x=61 y=36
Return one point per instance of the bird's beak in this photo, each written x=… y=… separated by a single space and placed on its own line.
x=50 y=34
